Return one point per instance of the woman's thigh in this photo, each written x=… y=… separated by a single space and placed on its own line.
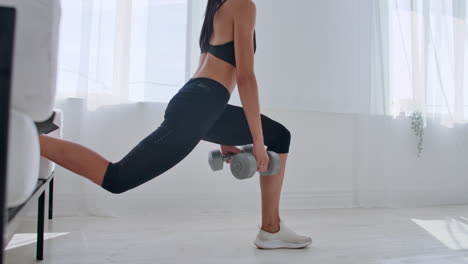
x=232 y=129
x=154 y=155
x=189 y=115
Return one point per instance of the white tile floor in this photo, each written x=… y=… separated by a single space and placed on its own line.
x=433 y=235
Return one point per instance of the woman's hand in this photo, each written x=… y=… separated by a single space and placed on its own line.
x=229 y=150
x=262 y=157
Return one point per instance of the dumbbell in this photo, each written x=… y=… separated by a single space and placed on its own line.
x=243 y=165
x=274 y=164
x=247 y=148
x=216 y=158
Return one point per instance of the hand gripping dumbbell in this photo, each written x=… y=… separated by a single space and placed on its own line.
x=274 y=164
x=243 y=165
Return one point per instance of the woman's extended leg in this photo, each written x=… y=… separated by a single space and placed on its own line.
x=75 y=158
x=188 y=116
x=158 y=152
x=232 y=129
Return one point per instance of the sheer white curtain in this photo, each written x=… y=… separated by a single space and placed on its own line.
x=119 y=51
x=420 y=59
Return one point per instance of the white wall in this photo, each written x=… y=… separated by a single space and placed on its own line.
x=311 y=55
x=313 y=68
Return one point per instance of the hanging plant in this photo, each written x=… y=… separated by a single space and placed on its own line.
x=417 y=124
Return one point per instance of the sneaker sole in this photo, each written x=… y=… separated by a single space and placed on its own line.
x=277 y=244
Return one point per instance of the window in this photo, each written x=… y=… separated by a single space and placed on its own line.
x=158 y=49
x=117 y=51
x=428 y=57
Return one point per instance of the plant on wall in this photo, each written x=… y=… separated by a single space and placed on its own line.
x=417 y=124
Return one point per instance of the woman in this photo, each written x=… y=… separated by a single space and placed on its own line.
x=200 y=111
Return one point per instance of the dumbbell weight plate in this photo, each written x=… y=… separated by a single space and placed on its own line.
x=215 y=159
x=243 y=166
x=274 y=164
x=247 y=148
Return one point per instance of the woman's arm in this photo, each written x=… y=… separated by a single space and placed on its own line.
x=244 y=27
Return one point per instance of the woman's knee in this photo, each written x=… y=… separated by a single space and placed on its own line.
x=282 y=140
x=113 y=182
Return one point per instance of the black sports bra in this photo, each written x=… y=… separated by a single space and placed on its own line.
x=226 y=52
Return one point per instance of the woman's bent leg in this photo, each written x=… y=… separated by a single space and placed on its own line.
x=232 y=129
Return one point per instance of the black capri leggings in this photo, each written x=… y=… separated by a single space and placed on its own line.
x=199 y=111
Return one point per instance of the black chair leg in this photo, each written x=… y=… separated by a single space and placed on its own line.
x=51 y=198
x=40 y=227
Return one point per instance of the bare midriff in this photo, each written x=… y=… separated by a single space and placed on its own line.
x=218 y=70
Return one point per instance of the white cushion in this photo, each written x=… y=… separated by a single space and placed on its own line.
x=47 y=166
x=35 y=56
x=23 y=158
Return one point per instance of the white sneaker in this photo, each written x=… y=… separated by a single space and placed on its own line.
x=284 y=238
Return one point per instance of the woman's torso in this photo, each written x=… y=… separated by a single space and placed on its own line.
x=211 y=66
